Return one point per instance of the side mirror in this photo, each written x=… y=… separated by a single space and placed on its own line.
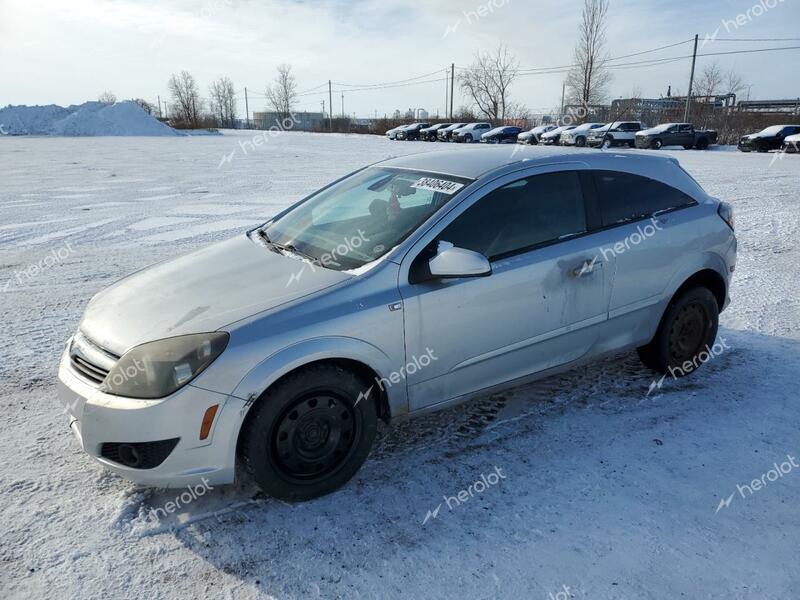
x=451 y=262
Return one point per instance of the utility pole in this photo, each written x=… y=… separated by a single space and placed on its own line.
x=246 y=111
x=691 y=82
x=452 y=81
x=330 y=116
x=446 y=90
x=159 y=106
x=343 y=105
x=563 y=92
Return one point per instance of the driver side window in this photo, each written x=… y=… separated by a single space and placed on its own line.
x=521 y=215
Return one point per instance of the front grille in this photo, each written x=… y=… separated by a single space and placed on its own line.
x=91 y=372
x=138 y=455
x=90 y=361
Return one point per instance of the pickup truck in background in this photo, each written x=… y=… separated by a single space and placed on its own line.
x=676 y=134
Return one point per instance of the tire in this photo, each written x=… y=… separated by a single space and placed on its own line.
x=468 y=139
x=687 y=146
x=580 y=141
x=762 y=147
x=534 y=141
x=702 y=144
x=309 y=434
x=656 y=144
x=688 y=327
x=631 y=144
x=607 y=143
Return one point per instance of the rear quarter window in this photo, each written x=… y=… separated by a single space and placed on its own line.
x=624 y=197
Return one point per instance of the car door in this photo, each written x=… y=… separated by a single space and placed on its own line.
x=538 y=307
x=646 y=231
x=685 y=135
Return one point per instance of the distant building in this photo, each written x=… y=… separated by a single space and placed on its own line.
x=301 y=121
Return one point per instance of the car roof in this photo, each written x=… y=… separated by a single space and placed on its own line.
x=475 y=162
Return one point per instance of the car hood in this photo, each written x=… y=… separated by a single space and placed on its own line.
x=199 y=292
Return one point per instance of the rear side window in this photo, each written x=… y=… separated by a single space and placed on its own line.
x=626 y=197
x=529 y=212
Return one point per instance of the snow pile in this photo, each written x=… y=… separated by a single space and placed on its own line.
x=88 y=119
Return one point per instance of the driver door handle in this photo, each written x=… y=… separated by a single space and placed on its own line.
x=588 y=267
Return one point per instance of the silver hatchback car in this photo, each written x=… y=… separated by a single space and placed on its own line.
x=407 y=286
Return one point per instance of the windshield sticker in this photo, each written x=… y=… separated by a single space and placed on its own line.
x=437 y=185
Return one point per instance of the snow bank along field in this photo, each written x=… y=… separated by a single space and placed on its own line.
x=596 y=489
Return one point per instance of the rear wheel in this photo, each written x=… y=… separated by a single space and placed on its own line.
x=309 y=433
x=702 y=144
x=688 y=328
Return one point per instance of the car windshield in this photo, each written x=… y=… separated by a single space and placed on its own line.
x=774 y=130
x=361 y=218
x=664 y=127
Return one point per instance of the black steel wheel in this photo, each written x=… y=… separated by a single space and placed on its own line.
x=687 y=329
x=309 y=433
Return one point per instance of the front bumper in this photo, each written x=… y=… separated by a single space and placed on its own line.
x=96 y=418
x=643 y=143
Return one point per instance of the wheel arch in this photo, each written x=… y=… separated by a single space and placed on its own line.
x=362 y=358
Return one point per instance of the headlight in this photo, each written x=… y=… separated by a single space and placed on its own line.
x=157 y=369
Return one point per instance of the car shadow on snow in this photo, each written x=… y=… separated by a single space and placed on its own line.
x=391 y=504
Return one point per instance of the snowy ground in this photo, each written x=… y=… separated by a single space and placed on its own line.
x=607 y=492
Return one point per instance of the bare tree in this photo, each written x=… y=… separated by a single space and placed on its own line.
x=588 y=79
x=733 y=83
x=282 y=93
x=107 y=97
x=185 y=98
x=145 y=105
x=710 y=81
x=487 y=82
x=223 y=101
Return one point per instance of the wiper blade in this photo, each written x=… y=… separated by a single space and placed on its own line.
x=293 y=249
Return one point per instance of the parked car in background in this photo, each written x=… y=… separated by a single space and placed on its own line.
x=411 y=132
x=392 y=133
x=501 y=135
x=578 y=135
x=554 y=135
x=618 y=133
x=445 y=133
x=791 y=143
x=287 y=376
x=675 y=134
x=428 y=134
x=531 y=137
x=470 y=133
x=767 y=139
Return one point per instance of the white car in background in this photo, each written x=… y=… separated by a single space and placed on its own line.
x=470 y=133
x=618 y=133
x=791 y=143
x=392 y=133
x=578 y=135
x=532 y=136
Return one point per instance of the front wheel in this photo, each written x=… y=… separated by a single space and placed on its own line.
x=687 y=330
x=309 y=433
x=580 y=142
x=468 y=139
x=656 y=144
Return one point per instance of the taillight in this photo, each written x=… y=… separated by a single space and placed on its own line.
x=725 y=211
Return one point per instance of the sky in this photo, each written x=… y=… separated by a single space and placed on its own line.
x=70 y=51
